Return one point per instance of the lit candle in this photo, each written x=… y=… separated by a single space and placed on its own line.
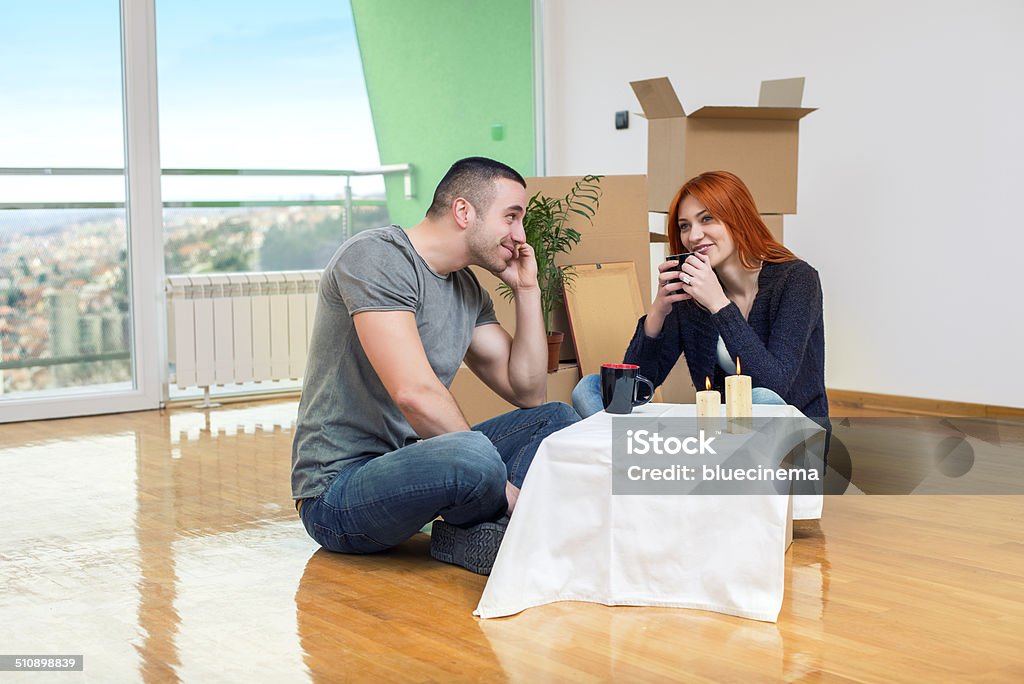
x=738 y=403
x=709 y=408
x=709 y=402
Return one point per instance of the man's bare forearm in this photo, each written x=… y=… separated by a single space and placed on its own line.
x=431 y=411
x=527 y=363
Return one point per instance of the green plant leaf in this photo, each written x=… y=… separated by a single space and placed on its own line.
x=548 y=231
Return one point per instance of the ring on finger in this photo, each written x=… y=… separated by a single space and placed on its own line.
x=686 y=279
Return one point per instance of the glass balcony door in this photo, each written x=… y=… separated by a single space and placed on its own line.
x=81 y=318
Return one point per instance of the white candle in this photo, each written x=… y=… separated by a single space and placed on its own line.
x=738 y=401
x=709 y=408
x=709 y=402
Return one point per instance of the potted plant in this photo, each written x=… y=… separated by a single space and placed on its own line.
x=548 y=231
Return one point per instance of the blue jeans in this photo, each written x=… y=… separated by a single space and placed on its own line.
x=586 y=396
x=380 y=501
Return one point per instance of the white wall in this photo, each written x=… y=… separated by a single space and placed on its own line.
x=911 y=172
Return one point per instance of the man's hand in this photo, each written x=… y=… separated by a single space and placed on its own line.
x=516 y=369
x=521 y=273
x=512 y=496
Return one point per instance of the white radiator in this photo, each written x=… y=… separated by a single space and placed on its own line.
x=239 y=327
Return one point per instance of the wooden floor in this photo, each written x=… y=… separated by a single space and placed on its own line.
x=163 y=547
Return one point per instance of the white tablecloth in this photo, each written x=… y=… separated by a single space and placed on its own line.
x=571 y=540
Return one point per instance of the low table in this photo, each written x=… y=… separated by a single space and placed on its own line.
x=570 y=539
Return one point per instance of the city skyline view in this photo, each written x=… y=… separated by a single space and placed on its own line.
x=63 y=290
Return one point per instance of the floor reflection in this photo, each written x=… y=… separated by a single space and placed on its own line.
x=235 y=601
x=394 y=616
x=633 y=644
x=164 y=547
x=808 y=582
x=158 y=619
x=628 y=644
x=68 y=550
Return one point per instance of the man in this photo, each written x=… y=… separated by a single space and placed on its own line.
x=381 y=448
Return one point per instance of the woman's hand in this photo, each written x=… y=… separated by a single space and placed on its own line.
x=670 y=291
x=701 y=282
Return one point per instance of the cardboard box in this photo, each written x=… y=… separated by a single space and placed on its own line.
x=774 y=223
x=758 y=144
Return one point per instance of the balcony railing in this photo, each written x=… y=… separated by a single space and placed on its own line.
x=347 y=201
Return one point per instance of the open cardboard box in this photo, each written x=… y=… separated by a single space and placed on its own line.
x=758 y=144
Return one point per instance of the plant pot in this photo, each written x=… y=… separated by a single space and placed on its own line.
x=554 y=347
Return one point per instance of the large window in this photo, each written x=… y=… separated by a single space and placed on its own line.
x=254 y=150
x=267 y=148
x=259 y=103
x=65 y=309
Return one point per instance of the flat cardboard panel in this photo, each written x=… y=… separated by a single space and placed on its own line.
x=783 y=92
x=603 y=310
x=666 y=161
x=658 y=98
x=479 y=403
x=762 y=153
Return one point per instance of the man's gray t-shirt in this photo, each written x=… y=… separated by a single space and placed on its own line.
x=345 y=412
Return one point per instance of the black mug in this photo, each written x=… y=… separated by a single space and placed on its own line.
x=679 y=259
x=619 y=384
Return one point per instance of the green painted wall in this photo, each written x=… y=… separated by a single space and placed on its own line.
x=441 y=74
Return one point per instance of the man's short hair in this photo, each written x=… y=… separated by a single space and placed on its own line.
x=472 y=179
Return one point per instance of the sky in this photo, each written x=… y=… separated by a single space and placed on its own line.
x=254 y=84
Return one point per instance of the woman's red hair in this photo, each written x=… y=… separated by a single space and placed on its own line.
x=729 y=202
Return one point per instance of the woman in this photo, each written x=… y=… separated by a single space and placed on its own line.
x=741 y=294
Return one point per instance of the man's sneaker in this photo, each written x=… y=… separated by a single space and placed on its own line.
x=474 y=548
